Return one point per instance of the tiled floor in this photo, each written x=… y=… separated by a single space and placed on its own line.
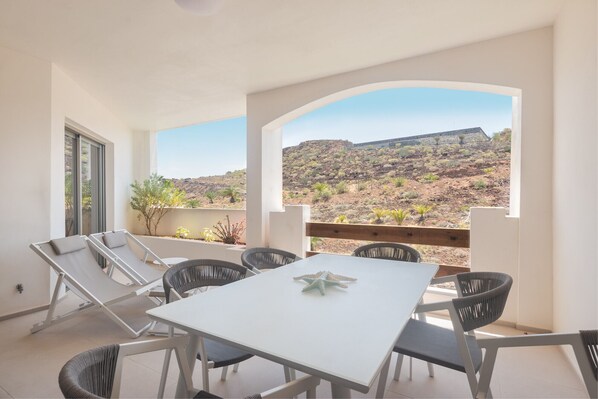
x=29 y=365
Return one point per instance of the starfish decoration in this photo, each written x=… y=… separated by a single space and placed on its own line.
x=321 y=280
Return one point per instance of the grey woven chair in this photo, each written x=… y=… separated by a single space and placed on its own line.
x=388 y=251
x=97 y=373
x=584 y=344
x=266 y=258
x=481 y=300
x=202 y=273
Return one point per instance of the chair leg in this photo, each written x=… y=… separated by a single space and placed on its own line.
x=410 y=369
x=236 y=368
x=223 y=375
x=398 y=367
x=431 y=370
x=165 y=366
x=287 y=374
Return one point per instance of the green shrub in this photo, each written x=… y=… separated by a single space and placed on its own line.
x=422 y=210
x=361 y=186
x=314 y=242
x=488 y=170
x=210 y=195
x=192 y=203
x=429 y=178
x=341 y=187
x=322 y=192
x=398 y=215
x=378 y=215
x=399 y=181
x=341 y=219
x=182 y=232
x=480 y=184
x=410 y=195
x=207 y=235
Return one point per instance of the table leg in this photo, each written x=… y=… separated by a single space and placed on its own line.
x=382 y=378
x=339 y=391
x=192 y=348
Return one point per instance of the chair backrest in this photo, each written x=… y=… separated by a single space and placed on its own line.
x=73 y=257
x=96 y=373
x=197 y=273
x=118 y=243
x=90 y=374
x=388 y=251
x=267 y=258
x=484 y=296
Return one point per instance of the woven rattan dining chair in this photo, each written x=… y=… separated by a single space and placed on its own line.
x=584 y=344
x=258 y=259
x=398 y=252
x=481 y=300
x=97 y=373
x=203 y=273
x=388 y=251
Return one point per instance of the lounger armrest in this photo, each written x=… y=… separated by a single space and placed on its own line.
x=528 y=340
x=149 y=287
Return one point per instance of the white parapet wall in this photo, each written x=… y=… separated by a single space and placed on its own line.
x=195 y=220
x=166 y=247
x=287 y=229
x=494 y=244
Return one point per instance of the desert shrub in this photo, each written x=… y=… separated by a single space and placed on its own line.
x=429 y=178
x=341 y=187
x=207 y=235
x=488 y=170
x=378 y=215
x=192 y=203
x=229 y=233
x=399 y=181
x=314 y=242
x=341 y=219
x=398 y=215
x=480 y=184
x=182 y=232
x=210 y=195
x=361 y=186
x=422 y=210
x=410 y=195
x=322 y=192
x=152 y=198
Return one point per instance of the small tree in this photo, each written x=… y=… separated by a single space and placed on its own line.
x=153 y=198
x=210 y=195
x=232 y=192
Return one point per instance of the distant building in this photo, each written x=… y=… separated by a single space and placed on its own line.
x=461 y=136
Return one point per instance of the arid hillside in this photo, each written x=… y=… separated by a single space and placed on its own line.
x=430 y=185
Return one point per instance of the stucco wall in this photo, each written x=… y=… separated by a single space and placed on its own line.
x=36 y=100
x=519 y=63
x=24 y=166
x=575 y=167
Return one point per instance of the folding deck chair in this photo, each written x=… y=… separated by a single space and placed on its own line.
x=115 y=245
x=77 y=267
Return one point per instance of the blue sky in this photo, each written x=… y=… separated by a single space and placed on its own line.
x=217 y=147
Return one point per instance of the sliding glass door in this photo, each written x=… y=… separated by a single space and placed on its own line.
x=84 y=185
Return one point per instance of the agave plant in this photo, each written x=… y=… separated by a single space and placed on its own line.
x=398 y=215
x=422 y=210
x=379 y=214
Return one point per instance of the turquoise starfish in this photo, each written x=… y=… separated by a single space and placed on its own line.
x=321 y=280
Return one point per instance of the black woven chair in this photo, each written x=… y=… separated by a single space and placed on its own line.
x=258 y=259
x=481 y=300
x=196 y=274
x=97 y=373
x=388 y=251
x=584 y=344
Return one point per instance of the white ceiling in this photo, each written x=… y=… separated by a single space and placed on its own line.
x=157 y=66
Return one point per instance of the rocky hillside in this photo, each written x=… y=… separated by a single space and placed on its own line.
x=359 y=185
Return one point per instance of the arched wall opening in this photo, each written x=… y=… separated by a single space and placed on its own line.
x=519 y=65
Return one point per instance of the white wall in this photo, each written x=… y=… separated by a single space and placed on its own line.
x=575 y=167
x=37 y=99
x=522 y=61
x=24 y=167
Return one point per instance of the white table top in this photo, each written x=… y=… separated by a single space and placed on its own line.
x=344 y=336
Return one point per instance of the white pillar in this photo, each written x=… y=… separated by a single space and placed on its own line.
x=264 y=180
x=287 y=229
x=146 y=153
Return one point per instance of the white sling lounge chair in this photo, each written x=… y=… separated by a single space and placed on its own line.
x=77 y=267
x=116 y=246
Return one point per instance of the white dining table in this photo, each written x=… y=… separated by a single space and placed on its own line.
x=345 y=336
